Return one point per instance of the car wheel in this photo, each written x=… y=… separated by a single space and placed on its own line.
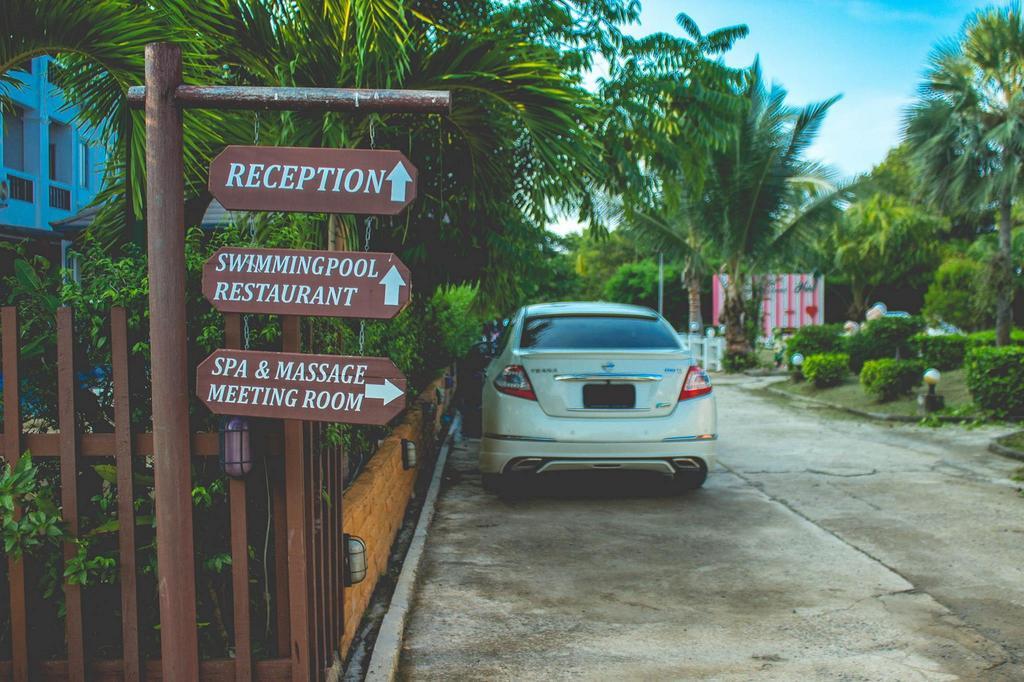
x=688 y=480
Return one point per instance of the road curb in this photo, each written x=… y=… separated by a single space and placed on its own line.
x=906 y=419
x=880 y=416
x=388 y=645
x=995 y=445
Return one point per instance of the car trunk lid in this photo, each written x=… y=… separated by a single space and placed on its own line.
x=606 y=384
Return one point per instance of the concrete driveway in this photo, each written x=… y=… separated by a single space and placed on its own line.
x=821 y=548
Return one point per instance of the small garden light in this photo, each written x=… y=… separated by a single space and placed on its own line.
x=695 y=327
x=408 y=454
x=236 y=457
x=355 y=560
x=711 y=332
x=932 y=401
x=797 y=360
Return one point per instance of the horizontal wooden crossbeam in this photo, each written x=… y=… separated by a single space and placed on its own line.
x=303 y=99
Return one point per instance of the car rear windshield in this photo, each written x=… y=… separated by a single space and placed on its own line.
x=596 y=332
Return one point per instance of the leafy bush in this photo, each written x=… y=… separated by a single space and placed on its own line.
x=826 y=369
x=814 y=340
x=988 y=338
x=995 y=377
x=737 y=362
x=891 y=336
x=941 y=352
x=859 y=348
x=888 y=337
x=954 y=295
x=887 y=378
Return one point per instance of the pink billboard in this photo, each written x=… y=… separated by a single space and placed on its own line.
x=787 y=301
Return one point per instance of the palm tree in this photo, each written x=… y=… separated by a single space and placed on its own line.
x=762 y=194
x=673 y=224
x=518 y=143
x=966 y=131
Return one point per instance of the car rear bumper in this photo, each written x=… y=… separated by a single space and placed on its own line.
x=497 y=454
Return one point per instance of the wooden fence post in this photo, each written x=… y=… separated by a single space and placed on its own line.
x=12 y=452
x=132 y=669
x=165 y=221
x=239 y=544
x=66 y=386
x=297 y=504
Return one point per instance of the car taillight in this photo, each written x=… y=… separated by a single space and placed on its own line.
x=697 y=383
x=514 y=381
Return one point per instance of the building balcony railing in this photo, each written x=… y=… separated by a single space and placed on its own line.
x=60 y=197
x=21 y=188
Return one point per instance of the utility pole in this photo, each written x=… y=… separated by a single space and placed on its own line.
x=661 y=283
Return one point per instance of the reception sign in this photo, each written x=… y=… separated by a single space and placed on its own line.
x=313 y=180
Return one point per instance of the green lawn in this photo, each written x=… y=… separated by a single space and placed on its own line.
x=1015 y=441
x=851 y=394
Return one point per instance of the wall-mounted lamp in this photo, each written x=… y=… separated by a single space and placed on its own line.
x=408 y=454
x=236 y=458
x=355 y=560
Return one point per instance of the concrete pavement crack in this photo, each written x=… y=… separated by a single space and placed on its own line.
x=913 y=589
x=833 y=473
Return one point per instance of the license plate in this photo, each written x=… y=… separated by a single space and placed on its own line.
x=609 y=396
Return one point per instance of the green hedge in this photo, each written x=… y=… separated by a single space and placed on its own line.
x=888 y=337
x=941 y=352
x=814 y=340
x=995 y=377
x=887 y=378
x=826 y=369
x=988 y=338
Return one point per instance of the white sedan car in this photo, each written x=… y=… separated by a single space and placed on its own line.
x=582 y=386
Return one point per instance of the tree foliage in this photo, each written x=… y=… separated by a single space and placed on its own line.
x=882 y=239
x=966 y=133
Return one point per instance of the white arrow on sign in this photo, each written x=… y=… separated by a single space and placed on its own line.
x=399 y=178
x=393 y=284
x=386 y=391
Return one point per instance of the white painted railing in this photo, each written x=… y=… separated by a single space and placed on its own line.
x=707 y=351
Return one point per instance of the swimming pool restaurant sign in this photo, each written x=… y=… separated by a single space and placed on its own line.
x=315 y=283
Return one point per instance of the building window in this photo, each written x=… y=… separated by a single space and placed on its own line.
x=60 y=153
x=84 y=168
x=14 y=139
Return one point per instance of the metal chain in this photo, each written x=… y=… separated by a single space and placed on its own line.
x=366 y=247
x=367 y=233
x=245 y=332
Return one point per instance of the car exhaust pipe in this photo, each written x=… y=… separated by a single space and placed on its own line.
x=687 y=463
x=526 y=464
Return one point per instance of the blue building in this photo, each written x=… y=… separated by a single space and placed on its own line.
x=52 y=169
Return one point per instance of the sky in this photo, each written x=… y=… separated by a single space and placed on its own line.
x=872 y=52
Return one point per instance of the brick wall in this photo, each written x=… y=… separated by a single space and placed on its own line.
x=374 y=506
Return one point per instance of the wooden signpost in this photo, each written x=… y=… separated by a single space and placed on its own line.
x=293 y=282
x=313 y=180
x=353 y=181
x=325 y=388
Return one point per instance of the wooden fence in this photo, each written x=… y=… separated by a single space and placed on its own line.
x=305 y=477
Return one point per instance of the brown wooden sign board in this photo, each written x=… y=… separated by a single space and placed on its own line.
x=325 y=388
x=313 y=180
x=315 y=283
